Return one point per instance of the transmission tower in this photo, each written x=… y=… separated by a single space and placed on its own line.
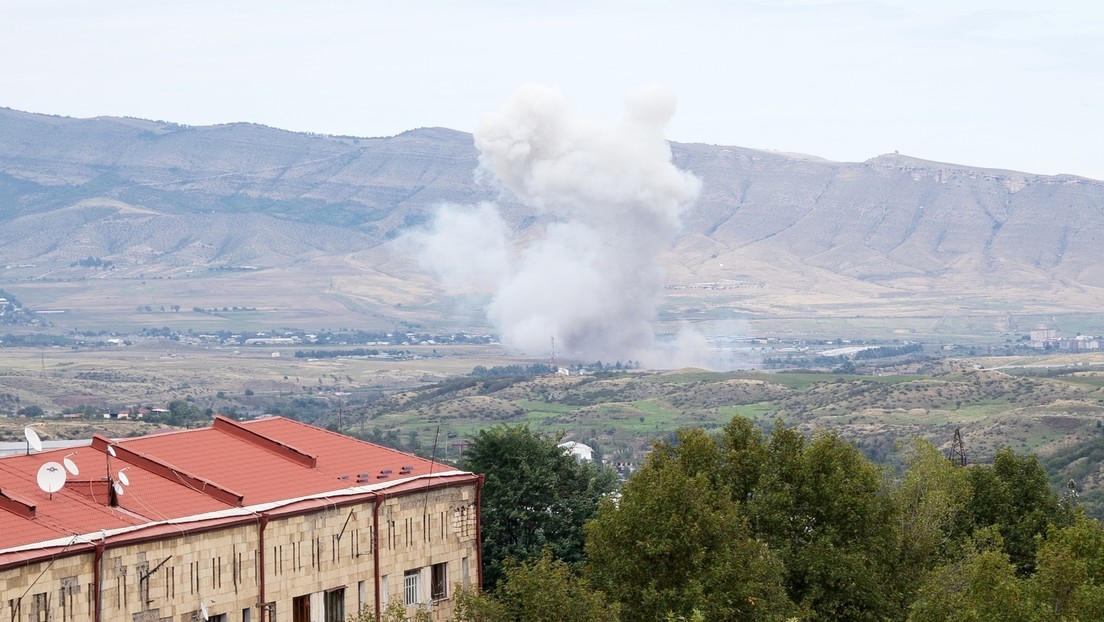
x=958 y=449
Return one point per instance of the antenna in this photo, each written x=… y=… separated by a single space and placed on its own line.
x=203 y=610
x=122 y=481
x=432 y=461
x=33 y=440
x=70 y=465
x=51 y=478
x=116 y=486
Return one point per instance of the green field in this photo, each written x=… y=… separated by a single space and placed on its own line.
x=1041 y=404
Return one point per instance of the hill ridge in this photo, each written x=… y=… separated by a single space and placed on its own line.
x=893 y=233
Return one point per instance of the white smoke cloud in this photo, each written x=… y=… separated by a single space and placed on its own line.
x=613 y=200
x=465 y=246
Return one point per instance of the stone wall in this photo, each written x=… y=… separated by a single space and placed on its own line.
x=324 y=558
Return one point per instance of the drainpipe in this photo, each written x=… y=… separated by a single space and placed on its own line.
x=262 y=522
x=375 y=552
x=97 y=577
x=479 y=531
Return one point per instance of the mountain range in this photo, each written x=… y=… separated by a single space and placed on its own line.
x=103 y=217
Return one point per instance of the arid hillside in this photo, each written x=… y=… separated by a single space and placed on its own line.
x=308 y=229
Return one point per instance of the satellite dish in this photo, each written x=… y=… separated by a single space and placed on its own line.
x=118 y=488
x=33 y=439
x=51 y=477
x=123 y=478
x=70 y=466
x=203 y=610
x=111 y=450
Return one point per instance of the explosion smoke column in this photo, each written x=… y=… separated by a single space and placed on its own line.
x=612 y=198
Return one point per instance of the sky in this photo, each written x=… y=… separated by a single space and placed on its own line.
x=1009 y=84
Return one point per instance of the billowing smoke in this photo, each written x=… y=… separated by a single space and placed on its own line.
x=612 y=199
x=467 y=247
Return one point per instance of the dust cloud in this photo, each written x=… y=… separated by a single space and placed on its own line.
x=612 y=200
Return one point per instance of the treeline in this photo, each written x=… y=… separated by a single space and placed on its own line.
x=888 y=351
x=747 y=525
x=92 y=262
x=879 y=352
x=36 y=341
x=503 y=371
x=543 y=369
x=332 y=354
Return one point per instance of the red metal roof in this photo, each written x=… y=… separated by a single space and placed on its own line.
x=193 y=472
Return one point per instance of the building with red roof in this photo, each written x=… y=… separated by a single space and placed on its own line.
x=269 y=520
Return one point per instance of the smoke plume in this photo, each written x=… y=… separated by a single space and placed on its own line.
x=612 y=199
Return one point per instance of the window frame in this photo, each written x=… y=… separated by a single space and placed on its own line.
x=333 y=604
x=438 y=582
x=412 y=587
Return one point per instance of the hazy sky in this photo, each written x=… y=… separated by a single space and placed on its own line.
x=1004 y=84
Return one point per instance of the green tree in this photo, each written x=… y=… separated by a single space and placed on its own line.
x=980 y=587
x=1069 y=576
x=675 y=543
x=1015 y=496
x=183 y=413
x=930 y=500
x=32 y=411
x=540 y=590
x=743 y=456
x=825 y=510
x=535 y=496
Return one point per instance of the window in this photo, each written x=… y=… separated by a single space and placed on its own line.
x=300 y=609
x=335 y=605
x=464 y=572
x=247 y=615
x=385 y=591
x=410 y=587
x=439 y=581
x=40 y=607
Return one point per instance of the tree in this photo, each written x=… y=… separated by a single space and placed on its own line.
x=676 y=544
x=1015 y=496
x=183 y=413
x=540 y=590
x=535 y=496
x=981 y=586
x=1069 y=577
x=32 y=411
x=825 y=510
x=930 y=501
x=744 y=454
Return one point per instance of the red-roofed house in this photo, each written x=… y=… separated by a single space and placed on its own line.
x=269 y=520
